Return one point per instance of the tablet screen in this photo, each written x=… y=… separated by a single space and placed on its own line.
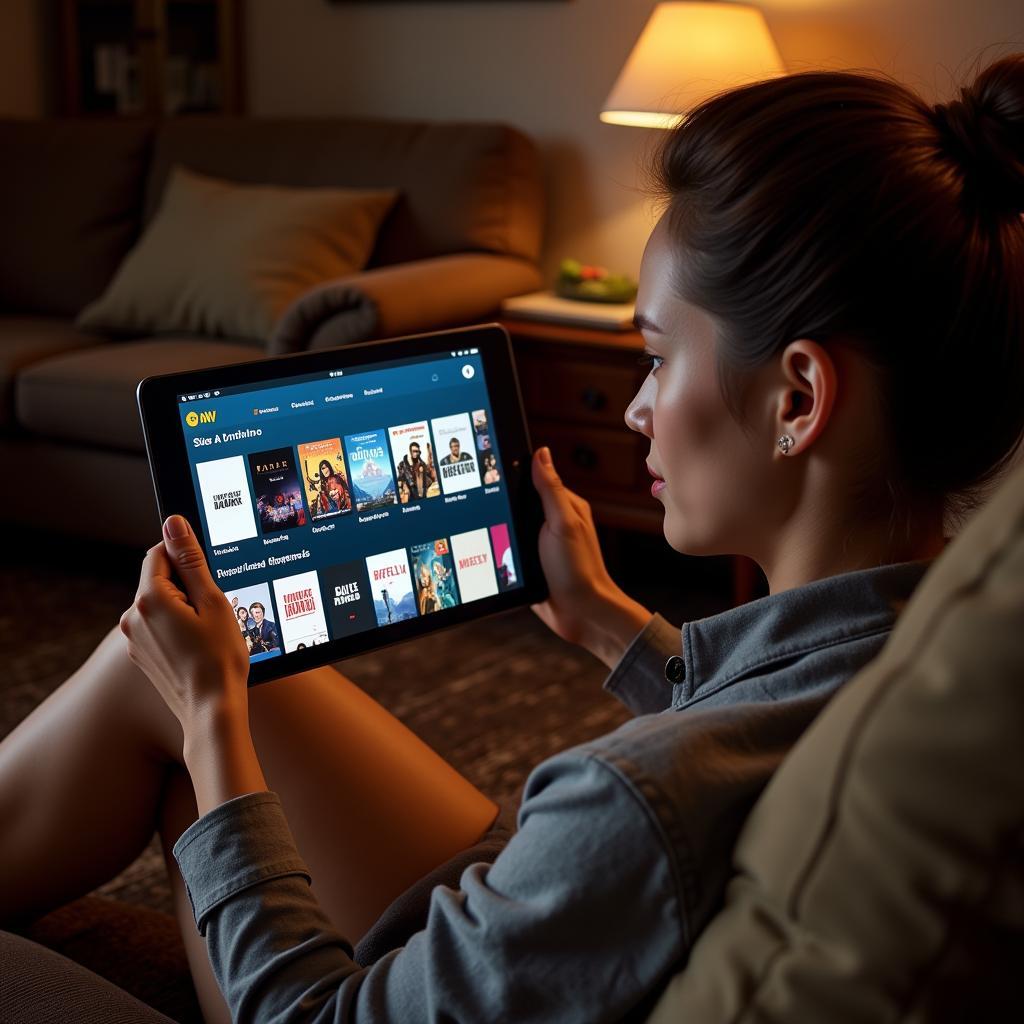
x=351 y=500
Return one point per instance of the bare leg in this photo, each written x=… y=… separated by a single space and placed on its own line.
x=84 y=776
x=80 y=784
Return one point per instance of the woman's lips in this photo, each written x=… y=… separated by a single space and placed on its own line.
x=658 y=484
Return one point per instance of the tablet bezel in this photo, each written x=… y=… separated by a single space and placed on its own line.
x=167 y=450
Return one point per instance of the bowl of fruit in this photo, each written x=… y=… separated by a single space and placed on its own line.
x=592 y=284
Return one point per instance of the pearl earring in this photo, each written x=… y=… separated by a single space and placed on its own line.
x=785 y=443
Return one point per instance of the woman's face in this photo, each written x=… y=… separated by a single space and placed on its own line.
x=713 y=478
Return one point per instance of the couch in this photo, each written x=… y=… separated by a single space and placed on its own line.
x=464 y=233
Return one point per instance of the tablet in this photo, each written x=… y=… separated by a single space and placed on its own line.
x=352 y=498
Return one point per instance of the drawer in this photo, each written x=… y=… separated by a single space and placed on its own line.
x=587 y=390
x=594 y=461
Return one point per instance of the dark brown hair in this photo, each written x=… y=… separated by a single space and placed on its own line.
x=840 y=206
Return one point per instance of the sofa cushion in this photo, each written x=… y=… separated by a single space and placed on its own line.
x=70 y=205
x=226 y=260
x=134 y=947
x=881 y=875
x=463 y=186
x=25 y=340
x=89 y=397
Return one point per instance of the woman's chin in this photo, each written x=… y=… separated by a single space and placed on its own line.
x=682 y=537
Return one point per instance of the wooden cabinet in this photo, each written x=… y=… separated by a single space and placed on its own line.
x=576 y=385
x=150 y=56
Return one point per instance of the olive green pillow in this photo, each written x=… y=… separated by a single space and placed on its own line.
x=225 y=259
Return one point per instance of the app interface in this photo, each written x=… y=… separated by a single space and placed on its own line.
x=350 y=500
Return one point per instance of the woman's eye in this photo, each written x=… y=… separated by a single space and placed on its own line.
x=651 y=361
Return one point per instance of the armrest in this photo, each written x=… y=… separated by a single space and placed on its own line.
x=404 y=298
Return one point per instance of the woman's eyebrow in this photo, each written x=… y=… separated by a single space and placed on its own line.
x=644 y=323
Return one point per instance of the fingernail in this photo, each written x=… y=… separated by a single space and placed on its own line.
x=545 y=455
x=176 y=527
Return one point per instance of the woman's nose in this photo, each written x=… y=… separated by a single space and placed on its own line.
x=638 y=412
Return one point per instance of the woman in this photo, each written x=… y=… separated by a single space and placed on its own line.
x=832 y=305
x=242 y=615
x=490 y=467
x=425 y=586
x=333 y=495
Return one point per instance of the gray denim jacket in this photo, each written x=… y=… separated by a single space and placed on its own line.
x=622 y=850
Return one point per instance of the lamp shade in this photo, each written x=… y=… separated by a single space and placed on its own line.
x=687 y=52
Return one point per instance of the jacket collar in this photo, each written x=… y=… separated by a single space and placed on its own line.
x=725 y=648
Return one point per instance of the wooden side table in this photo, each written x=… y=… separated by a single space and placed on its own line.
x=576 y=384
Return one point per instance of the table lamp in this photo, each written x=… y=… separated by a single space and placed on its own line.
x=687 y=52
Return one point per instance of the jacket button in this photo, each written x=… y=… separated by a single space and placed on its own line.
x=675 y=669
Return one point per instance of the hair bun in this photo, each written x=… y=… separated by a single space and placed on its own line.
x=984 y=132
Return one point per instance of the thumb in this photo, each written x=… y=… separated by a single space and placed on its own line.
x=553 y=495
x=188 y=559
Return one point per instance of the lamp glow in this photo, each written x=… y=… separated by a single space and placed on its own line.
x=687 y=52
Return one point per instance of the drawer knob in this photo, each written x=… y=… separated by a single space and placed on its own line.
x=584 y=457
x=593 y=399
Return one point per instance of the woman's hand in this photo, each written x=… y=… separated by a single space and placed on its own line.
x=188 y=642
x=584 y=606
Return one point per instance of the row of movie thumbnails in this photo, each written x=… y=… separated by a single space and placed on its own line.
x=319 y=605
x=342 y=474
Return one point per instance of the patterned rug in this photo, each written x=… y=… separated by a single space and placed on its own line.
x=515 y=695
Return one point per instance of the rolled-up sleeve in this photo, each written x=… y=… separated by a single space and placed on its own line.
x=577 y=919
x=638 y=680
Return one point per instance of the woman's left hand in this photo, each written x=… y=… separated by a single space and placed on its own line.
x=185 y=637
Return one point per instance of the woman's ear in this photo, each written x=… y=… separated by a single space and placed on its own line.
x=808 y=393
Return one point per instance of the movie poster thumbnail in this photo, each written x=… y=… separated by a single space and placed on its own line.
x=415 y=465
x=457 y=455
x=490 y=474
x=370 y=477
x=346 y=591
x=481 y=430
x=474 y=565
x=300 y=611
x=275 y=483
x=254 y=614
x=391 y=586
x=225 y=492
x=323 y=470
x=504 y=566
x=433 y=576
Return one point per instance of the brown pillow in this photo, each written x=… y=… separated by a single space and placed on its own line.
x=227 y=259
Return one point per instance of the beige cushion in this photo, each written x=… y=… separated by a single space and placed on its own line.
x=881 y=875
x=223 y=259
x=25 y=340
x=89 y=397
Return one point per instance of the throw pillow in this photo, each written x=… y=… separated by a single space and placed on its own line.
x=225 y=259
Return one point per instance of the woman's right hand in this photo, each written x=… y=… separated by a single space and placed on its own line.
x=585 y=605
